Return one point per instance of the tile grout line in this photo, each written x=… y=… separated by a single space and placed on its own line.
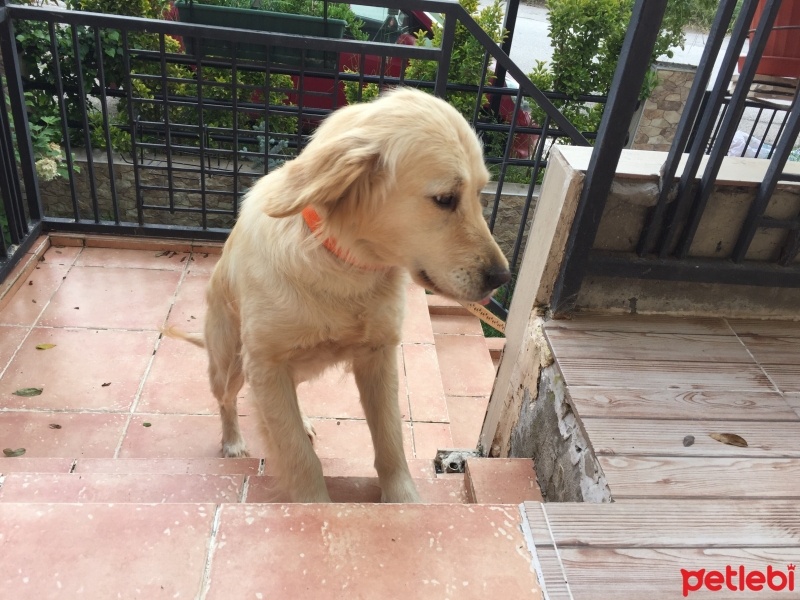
x=205 y=584
x=536 y=565
x=138 y=395
x=758 y=364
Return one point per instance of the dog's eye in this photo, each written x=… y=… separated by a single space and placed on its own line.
x=445 y=200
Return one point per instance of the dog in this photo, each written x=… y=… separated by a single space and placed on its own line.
x=314 y=273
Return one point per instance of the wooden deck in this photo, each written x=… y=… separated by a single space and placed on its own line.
x=648 y=392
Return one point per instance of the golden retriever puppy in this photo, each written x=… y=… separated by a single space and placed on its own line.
x=314 y=274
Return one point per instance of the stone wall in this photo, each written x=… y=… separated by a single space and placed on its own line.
x=663 y=108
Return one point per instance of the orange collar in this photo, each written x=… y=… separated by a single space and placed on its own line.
x=314 y=221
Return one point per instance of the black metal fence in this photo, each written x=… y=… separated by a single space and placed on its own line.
x=161 y=126
x=708 y=127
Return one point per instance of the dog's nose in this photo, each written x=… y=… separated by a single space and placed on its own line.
x=496 y=276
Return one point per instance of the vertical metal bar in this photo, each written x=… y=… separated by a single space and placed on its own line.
x=85 y=122
x=509 y=23
x=694 y=103
x=708 y=118
x=62 y=109
x=752 y=133
x=101 y=76
x=235 y=106
x=202 y=129
x=19 y=113
x=301 y=98
x=637 y=50
x=267 y=88
x=504 y=165
x=766 y=133
x=479 y=99
x=10 y=192
x=728 y=128
x=769 y=183
x=132 y=122
x=162 y=50
x=448 y=37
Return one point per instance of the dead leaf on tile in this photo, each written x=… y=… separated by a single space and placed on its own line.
x=45 y=346
x=146 y=424
x=106 y=384
x=12 y=453
x=729 y=438
x=162 y=253
x=54 y=426
x=28 y=392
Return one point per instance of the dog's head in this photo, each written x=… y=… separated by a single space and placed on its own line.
x=397 y=182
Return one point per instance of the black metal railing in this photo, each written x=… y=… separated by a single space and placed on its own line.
x=164 y=125
x=709 y=123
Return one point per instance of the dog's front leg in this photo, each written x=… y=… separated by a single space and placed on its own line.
x=298 y=469
x=376 y=376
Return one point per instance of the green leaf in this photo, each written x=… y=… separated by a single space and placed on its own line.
x=28 y=392
x=45 y=346
x=12 y=453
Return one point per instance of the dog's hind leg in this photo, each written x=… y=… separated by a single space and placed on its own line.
x=375 y=371
x=297 y=467
x=226 y=374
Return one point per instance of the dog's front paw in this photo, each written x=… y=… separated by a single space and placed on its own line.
x=235 y=450
x=401 y=492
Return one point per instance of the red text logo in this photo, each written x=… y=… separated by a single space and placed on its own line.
x=738 y=580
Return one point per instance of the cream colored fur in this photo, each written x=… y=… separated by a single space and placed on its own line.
x=282 y=308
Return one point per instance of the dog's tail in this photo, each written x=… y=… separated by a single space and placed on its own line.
x=193 y=338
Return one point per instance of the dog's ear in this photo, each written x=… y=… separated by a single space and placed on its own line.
x=325 y=171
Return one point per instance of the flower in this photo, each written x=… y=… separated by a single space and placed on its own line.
x=54 y=147
x=47 y=169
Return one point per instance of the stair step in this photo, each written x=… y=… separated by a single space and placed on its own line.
x=502 y=480
x=300 y=551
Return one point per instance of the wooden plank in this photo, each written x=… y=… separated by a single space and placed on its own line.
x=648 y=437
x=701 y=477
x=682 y=375
x=534 y=512
x=776 y=350
x=680 y=404
x=641 y=573
x=666 y=523
x=555 y=582
x=639 y=346
x=767 y=328
x=793 y=400
x=786 y=377
x=642 y=323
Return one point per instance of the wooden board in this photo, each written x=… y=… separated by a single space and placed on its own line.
x=701 y=477
x=680 y=404
x=682 y=375
x=765 y=328
x=555 y=582
x=640 y=346
x=666 y=523
x=643 y=323
x=786 y=377
x=655 y=573
x=774 y=350
x=666 y=438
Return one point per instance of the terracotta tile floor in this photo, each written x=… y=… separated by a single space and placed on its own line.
x=117 y=388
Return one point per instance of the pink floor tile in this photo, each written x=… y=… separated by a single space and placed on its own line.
x=112 y=298
x=82 y=370
x=417 y=323
x=189 y=466
x=178 y=381
x=189 y=310
x=203 y=263
x=77 y=434
x=23 y=464
x=363 y=467
x=25 y=306
x=10 y=339
x=120 y=487
x=101 y=551
x=502 y=480
x=183 y=436
x=466 y=419
x=61 y=255
x=425 y=392
x=456 y=324
x=361 y=489
x=429 y=438
x=371 y=551
x=465 y=364
x=340 y=438
x=133 y=259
